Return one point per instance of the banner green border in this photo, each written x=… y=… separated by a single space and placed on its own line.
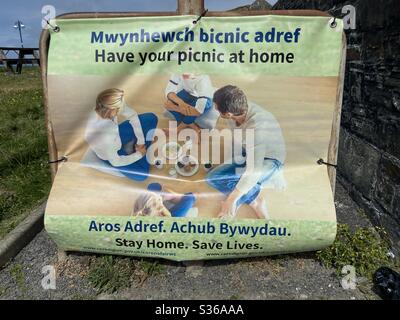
x=71 y=234
x=317 y=54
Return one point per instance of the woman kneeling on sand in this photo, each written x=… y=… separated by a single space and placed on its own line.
x=121 y=144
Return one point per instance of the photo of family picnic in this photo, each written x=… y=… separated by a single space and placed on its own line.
x=189 y=97
x=186 y=145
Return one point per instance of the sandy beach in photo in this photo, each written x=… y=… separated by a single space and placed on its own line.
x=302 y=106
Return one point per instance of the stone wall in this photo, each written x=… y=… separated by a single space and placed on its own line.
x=369 y=151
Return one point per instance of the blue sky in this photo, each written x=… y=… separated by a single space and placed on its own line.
x=29 y=12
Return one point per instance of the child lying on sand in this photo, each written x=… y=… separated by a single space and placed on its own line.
x=162 y=202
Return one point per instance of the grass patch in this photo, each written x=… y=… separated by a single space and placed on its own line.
x=3 y=290
x=24 y=174
x=30 y=78
x=18 y=275
x=363 y=249
x=149 y=269
x=110 y=274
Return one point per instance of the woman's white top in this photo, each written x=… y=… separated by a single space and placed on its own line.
x=268 y=142
x=102 y=135
x=199 y=86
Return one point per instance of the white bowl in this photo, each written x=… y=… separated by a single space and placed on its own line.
x=193 y=170
x=172 y=155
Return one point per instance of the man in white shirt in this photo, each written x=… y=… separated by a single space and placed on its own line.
x=189 y=100
x=264 y=153
x=121 y=145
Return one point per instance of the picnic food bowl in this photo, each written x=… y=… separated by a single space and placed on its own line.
x=208 y=167
x=187 y=166
x=159 y=164
x=172 y=151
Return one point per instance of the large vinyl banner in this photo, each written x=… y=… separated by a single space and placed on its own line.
x=193 y=141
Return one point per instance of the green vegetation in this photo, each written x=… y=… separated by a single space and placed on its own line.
x=19 y=277
x=24 y=173
x=3 y=290
x=363 y=249
x=151 y=268
x=110 y=274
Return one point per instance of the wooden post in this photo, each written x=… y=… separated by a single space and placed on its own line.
x=195 y=7
x=51 y=141
x=334 y=142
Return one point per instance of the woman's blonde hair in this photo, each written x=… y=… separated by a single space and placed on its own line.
x=150 y=204
x=108 y=101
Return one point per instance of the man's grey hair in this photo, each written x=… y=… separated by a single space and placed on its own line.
x=231 y=99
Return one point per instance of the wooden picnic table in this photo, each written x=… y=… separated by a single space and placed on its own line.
x=20 y=58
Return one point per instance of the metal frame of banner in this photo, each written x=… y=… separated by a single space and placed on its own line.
x=192 y=7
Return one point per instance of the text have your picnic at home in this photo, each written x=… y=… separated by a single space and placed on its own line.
x=187 y=35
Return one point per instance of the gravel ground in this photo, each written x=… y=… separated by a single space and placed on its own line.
x=298 y=276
